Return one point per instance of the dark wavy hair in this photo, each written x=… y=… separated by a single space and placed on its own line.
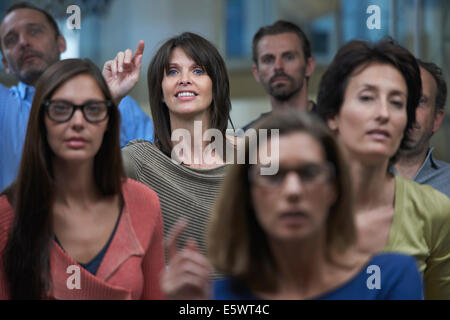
x=356 y=54
x=27 y=252
x=206 y=56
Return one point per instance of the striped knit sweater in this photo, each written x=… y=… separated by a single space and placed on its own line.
x=183 y=191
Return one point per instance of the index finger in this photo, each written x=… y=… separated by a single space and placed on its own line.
x=139 y=49
x=172 y=239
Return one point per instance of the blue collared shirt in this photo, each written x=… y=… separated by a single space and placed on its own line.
x=433 y=172
x=15 y=107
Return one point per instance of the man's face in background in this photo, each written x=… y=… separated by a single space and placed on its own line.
x=29 y=44
x=281 y=66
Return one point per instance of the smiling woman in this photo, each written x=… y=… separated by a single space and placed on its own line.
x=189 y=91
x=71 y=207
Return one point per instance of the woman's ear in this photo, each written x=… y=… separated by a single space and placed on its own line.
x=333 y=123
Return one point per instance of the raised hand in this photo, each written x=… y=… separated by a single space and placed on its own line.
x=187 y=277
x=122 y=73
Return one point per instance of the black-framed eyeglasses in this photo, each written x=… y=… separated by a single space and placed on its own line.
x=63 y=111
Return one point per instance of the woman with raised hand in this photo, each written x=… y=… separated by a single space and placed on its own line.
x=368 y=97
x=190 y=102
x=71 y=226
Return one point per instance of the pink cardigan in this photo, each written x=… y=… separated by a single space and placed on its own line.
x=132 y=265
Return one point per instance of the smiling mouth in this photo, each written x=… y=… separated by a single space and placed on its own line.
x=185 y=94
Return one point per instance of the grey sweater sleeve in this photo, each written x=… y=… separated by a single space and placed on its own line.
x=129 y=163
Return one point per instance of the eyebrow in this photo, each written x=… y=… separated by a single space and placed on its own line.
x=69 y=101
x=266 y=55
x=35 y=24
x=293 y=52
x=31 y=24
x=367 y=86
x=284 y=53
x=194 y=65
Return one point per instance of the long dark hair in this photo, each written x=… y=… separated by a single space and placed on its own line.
x=27 y=253
x=205 y=55
x=237 y=244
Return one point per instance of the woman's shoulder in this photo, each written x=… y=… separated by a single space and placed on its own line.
x=144 y=153
x=386 y=276
x=135 y=190
x=138 y=143
x=399 y=274
x=394 y=262
x=422 y=192
x=140 y=146
x=142 y=201
x=142 y=205
x=138 y=154
x=388 y=265
x=422 y=199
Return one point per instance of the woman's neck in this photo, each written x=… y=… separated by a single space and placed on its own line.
x=301 y=266
x=373 y=186
x=192 y=150
x=75 y=182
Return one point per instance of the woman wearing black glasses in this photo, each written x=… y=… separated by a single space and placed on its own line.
x=71 y=224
